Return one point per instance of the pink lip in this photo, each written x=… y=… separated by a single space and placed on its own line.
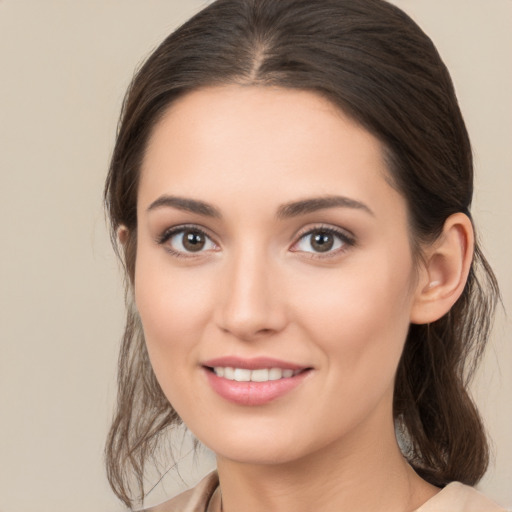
x=253 y=393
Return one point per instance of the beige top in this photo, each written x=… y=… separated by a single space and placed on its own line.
x=455 y=497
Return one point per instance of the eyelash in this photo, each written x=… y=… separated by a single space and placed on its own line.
x=346 y=240
x=169 y=233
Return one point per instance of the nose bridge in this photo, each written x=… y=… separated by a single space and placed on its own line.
x=250 y=304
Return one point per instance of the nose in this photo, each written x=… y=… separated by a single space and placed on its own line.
x=250 y=304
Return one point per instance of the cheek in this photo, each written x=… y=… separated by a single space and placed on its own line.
x=174 y=309
x=359 y=316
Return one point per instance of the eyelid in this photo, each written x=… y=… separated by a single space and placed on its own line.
x=168 y=233
x=347 y=238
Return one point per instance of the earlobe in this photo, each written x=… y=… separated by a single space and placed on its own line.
x=445 y=270
x=122 y=234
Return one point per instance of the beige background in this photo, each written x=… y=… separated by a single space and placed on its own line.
x=64 y=68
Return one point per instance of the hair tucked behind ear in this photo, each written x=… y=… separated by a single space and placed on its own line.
x=373 y=62
x=444 y=436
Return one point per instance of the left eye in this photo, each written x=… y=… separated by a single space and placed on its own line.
x=188 y=240
x=321 y=241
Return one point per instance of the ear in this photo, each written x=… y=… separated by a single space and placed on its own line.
x=122 y=234
x=444 y=270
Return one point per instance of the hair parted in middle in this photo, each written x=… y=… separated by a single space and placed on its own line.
x=376 y=65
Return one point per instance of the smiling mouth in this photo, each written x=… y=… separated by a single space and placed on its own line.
x=255 y=375
x=253 y=382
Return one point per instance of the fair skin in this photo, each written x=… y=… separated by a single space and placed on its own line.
x=328 y=288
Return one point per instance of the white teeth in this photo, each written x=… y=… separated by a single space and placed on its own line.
x=275 y=374
x=229 y=373
x=242 y=375
x=258 y=375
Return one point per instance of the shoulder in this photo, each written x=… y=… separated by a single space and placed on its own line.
x=457 y=497
x=193 y=500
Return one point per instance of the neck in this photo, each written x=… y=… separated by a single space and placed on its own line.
x=365 y=472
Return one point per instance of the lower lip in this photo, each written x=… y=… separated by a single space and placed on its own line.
x=253 y=393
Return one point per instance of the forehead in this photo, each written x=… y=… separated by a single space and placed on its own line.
x=237 y=143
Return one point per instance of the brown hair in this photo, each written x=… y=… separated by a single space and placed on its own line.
x=373 y=62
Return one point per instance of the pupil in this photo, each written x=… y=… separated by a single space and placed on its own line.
x=322 y=242
x=193 y=241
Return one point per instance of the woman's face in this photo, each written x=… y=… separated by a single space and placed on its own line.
x=274 y=276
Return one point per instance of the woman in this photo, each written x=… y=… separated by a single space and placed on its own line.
x=291 y=188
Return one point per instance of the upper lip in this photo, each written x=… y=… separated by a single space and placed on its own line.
x=252 y=363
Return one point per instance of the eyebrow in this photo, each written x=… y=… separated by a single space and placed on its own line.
x=314 y=204
x=188 y=205
x=285 y=211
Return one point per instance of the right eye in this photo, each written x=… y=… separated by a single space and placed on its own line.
x=183 y=241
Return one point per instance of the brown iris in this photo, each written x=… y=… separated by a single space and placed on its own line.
x=322 y=241
x=193 y=241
